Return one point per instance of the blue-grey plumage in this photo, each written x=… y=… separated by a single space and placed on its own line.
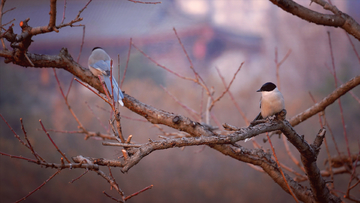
x=99 y=64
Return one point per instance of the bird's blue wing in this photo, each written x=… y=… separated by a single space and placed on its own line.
x=102 y=65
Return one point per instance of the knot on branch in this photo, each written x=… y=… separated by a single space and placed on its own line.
x=65 y=54
x=176 y=120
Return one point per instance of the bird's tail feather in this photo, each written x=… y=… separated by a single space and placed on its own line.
x=118 y=95
x=258 y=117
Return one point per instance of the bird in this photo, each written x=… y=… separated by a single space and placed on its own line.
x=99 y=64
x=271 y=101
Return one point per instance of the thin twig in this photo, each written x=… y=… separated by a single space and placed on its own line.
x=38 y=188
x=332 y=135
x=291 y=155
x=197 y=76
x=119 y=70
x=47 y=133
x=67 y=103
x=63 y=18
x=107 y=101
x=188 y=109
x=1 y=15
x=97 y=117
x=27 y=58
x=19 y=157
x=3 y=25
x=110 y=173
x=282 y=173
x=233 y=100
x=145 y=2
x=161 y=66
x=111 y=197
x=75 y=179
x=207 y=110
x=216 y=120
x=13 y=131
x=82 y=42
x=326 y=145
x=353 y=46
x=339 y=100
x=292 y=171
x=111 y=181
x=353 y=174
x=38 y=157
x=226 y=88
x=127 y=63
x=136 y=193
x=278 y=64
x=78 y=16
x=13 y=8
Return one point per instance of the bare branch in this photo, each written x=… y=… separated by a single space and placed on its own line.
x=73 y=180
x=127 y=63
x=136 y=193
x=47 y=133
x=339 y=100
x=38 y=188
x=52 y=13
x=321 y=105
x=161 y=66
x=63 y=18
x=282 y=173
x=227 y=88
x=340 y=19
x=191 y=111
x=149 y=147
x=145 y=2
x=308 y=157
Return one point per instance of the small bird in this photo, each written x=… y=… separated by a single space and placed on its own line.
x=271 y=101
x=99 y=65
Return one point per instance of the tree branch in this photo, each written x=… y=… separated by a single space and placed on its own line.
x=340 y=19
x=321 y=105
x=308 y=157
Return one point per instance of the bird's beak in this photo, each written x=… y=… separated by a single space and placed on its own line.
x=258 y=90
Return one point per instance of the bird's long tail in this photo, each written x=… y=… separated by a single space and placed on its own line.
x=118 y=95
x=258 y=117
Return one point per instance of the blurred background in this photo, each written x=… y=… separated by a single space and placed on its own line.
x=215 y=33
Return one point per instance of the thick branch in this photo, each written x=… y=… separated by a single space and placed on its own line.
x=146 y=149
x=52 y=13
x=259 y=158
x=63 y=61
x=308 y=157
x=342 y=20
x=321 y=105
x=158 y=116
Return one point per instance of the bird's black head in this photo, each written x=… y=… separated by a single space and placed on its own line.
x=267 y=87
x=96 y=48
